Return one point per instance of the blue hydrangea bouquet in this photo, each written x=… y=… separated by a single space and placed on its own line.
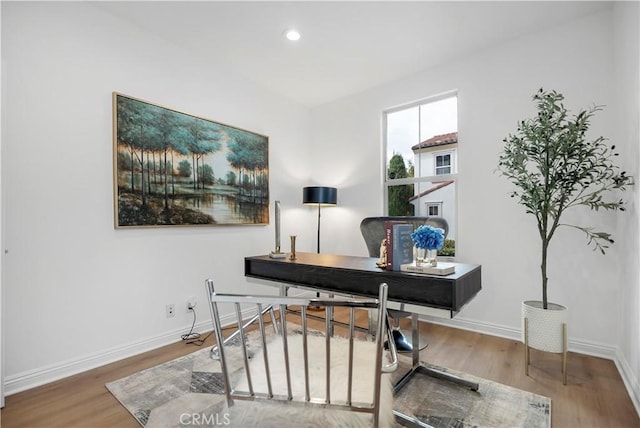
x=428 y=237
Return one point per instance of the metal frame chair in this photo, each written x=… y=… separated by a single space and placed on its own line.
x=266 y=304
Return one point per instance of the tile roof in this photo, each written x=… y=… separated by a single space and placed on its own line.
x=437 y=140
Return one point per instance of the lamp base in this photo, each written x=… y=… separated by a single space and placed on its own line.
x=277 y=255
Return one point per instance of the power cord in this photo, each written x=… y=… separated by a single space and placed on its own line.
x=191 y=336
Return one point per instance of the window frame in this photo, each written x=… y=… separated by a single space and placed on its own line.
x=388 y=183
x=450 y=153
x=437 y=205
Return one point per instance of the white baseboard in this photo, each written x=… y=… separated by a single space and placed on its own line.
x=581 y=347
x=31 y=379
x=631 y=382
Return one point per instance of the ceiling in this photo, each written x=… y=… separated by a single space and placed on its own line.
x=346 y=47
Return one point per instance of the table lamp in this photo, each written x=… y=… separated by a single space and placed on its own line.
x=320 y=196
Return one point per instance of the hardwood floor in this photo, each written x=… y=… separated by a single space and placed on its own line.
x=593 y=397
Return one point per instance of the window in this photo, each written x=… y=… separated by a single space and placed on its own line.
x=420 y=163
x=443 y=164
x=433 y=208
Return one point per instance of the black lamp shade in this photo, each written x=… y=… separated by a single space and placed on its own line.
x=319 y=195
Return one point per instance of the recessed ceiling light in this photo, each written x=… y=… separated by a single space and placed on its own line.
x=292 y=35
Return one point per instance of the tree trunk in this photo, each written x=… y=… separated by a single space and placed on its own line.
x=543 y=268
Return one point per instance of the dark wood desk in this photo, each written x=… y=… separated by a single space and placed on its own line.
x=361 y=276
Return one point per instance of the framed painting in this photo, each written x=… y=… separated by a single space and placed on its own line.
x=176 y=169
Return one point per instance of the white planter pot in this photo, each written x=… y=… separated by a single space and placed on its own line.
x=545 y=326
x=545 y=330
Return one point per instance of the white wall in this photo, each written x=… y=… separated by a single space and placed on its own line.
x=627 y=112
x=78 y=292
x=1 y=218
x=494 y=91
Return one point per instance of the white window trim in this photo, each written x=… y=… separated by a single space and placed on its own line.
x=386 y=182
x=438 y=205
x=452 y=161
x=383 y=139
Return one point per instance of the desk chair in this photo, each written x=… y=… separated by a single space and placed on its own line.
x=312 y=379
x=373 y=232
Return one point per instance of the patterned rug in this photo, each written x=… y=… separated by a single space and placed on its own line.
x=188 y=391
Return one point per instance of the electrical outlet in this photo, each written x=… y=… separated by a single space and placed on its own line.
x=171 y=310
x=191 y=303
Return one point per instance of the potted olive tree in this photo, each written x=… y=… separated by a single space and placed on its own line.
x=556 y=167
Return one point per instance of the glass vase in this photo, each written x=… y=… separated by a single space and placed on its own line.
x=426 y=257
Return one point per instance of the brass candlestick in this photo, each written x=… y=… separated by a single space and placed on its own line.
x=292 y=256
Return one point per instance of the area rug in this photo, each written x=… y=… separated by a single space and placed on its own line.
x=189 y=391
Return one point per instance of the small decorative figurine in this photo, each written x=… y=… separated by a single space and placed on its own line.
x=383 y=255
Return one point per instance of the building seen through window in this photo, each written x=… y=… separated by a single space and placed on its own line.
x=421 y=146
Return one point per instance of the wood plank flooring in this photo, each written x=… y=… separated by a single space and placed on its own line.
x=593 y=397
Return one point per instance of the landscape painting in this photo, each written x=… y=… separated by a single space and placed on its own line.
x=175 y=169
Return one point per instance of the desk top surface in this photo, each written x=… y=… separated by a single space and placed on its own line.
x=366 y=264
x=360 y=275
